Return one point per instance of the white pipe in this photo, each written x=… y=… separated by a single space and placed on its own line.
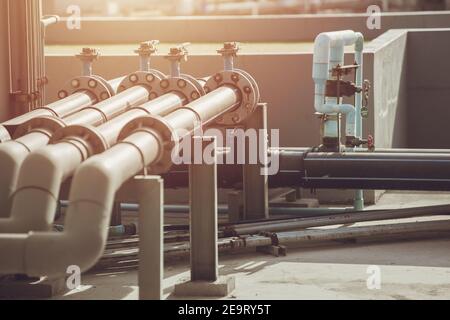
x=12 y=155
x=88 y=217
x=92 y=196
x=328 y=52
x=34 y=201
x=4 y=134
x=14 y=152
x=359 y=59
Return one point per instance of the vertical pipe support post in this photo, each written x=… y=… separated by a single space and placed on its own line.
x=205 y=281
x=256 y=182
x=204 y=213
x=151 y=237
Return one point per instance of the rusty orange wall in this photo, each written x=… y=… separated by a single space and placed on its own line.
x=4 y=63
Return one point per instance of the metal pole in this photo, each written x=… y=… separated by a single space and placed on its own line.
x=203 y=202
x=151 y=244
x=256 y=182
x=341 y=219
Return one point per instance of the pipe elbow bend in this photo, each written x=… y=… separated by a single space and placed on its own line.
x=322 y=48
x=53 y=254
x=95 y=180
x=12 y=152
x=359 y=45
x=42 y=169
x=4 y=134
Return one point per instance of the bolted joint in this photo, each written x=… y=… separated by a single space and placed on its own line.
x=86 y=135
x=95 y=85
x=47 y=125
x=248 y=91
x=165 y=134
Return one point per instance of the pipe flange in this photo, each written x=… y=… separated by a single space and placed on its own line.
x=97 y=86
x=48 y=125
x=186 y=86
x=196 y=82
x=106 y=84
x=150 y=79
x=169 y=139
x=87 y=135
x=248 y=88
x=254 y=83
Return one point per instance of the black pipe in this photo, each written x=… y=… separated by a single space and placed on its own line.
x=389 y=171
x=350 y=170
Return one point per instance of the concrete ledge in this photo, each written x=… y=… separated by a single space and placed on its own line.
x=13 y=288
x=303 y=27
x=221 y=288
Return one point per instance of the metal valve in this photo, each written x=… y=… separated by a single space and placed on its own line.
x=175 y=56
x=179 y=52
x=229 y=52
x=366 y=96
x=353 y=142
x=147 y=47
x=87 y=57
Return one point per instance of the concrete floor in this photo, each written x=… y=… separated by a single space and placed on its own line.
x=408 y=269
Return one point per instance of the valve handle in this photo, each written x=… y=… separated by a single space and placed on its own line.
x=371 y=143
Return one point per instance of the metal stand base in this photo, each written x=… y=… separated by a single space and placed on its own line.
x=148 y=191
x=205 y=281
x=256 y=185
x=223 y=287
x=20 y=289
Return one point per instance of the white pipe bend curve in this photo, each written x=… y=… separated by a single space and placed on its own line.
x=39 y=180
x=84 y=238
x=325 y=44
x=12 y=154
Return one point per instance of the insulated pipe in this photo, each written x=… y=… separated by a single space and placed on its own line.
x=13 y=153
x=314 y=236
x=333 y=220
x=160 y=106
x=401 y=169
x=359 y=56
x=43 y=172
x=108 y=109
x=207 y=108
x=61 y=108
x=358 y=170
x=328 y=53
x=94 y=187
